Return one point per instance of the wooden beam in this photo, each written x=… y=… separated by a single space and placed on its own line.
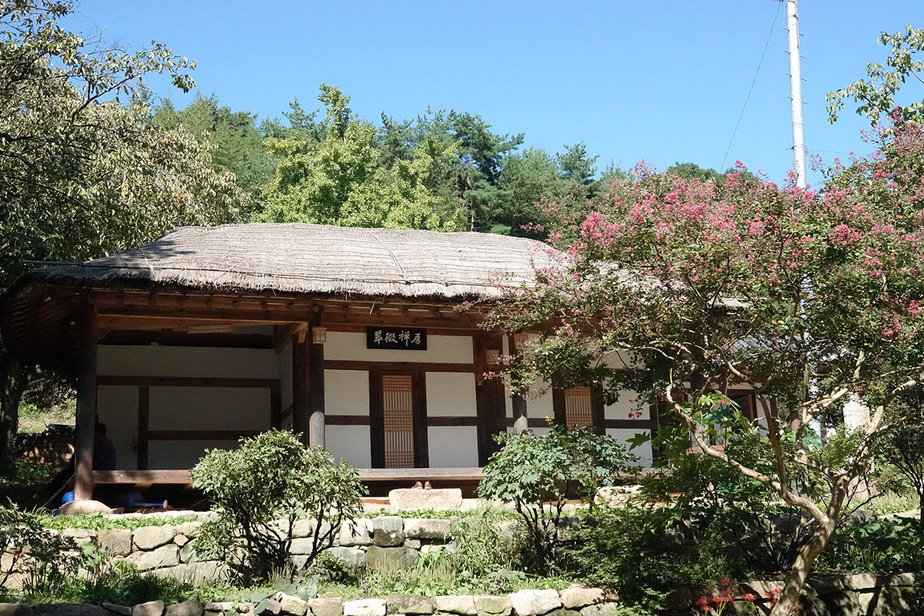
x=520 y=420
x=200 y=435
x=86 y=406
x=276 y=405
x=365 y=475
x=397 y=366
x=186 y=381
x=144 y=420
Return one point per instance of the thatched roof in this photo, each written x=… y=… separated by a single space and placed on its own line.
x=318 y=259
x=40 y=311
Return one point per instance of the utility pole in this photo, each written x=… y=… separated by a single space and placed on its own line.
x=795 y=88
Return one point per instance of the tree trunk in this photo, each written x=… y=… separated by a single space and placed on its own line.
x=13 y=380
x=795 y=581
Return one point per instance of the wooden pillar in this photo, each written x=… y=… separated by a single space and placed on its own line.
x=86 y=407
x=300 y=384
x=316 y=427
x=489 y=396
x=520 y=421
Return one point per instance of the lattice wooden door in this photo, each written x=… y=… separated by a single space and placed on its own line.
x=578 y=407
x=398 y=411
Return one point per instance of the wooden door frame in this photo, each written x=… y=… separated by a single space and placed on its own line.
x=377 y=416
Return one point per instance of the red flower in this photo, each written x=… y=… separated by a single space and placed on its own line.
x=750 y=597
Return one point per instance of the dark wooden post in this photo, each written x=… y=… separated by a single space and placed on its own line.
x=489 y=396
x=316 y=428
x=300 y=384
x=86 y=407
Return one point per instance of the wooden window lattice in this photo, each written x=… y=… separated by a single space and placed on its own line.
x=578 y=407
x=397 y=398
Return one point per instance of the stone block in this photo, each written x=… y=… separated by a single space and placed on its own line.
x=164 y=556
x=863 y=581
x=292 y=605
x=149 y=608
x=610 y=608
x=535 y=602
x=305 y=528
x=181 y=540
x=409 y=604
x=390 y=559
x=15 y=609
x=388 y=531
x=364 y=607
x=409 y=499
x=301 y=546
x=150 y=537
x=616 y=496
x=356 y=533
x=121 y=610
x=188 y=552
x=326 y=606
x=79 y=535
x=492 y=605
x=414 y=544
x=190 y=529
x=272 y=607
x=115 y=542
x=838 y=603
x=427 y=529
x=563 y=612
x=186 y=608
x=68 y=609
x=352 y=558
x=576 y=597
x=456 y=604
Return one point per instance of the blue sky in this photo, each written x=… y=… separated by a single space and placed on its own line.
x=662 y=81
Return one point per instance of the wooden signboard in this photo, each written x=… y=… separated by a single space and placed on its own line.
x=403 y=338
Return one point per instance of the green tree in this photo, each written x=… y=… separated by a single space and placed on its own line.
x=694 y=171
x=810 y=301
x=524 y=180
x=80 y=175
x=235 y=142
x=341 y=179
x=877 y=94
x=575 y=165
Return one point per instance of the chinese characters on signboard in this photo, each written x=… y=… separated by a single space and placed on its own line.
x=407 y=338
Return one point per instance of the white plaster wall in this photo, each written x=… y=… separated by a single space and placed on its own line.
x=117 y=407
x=205 y=408
x=285 y=376
x=628 y=402
x=445 y=349
x=643 y=451
x=181 y=454
x=187 y=361
x=346 y=392
x=540 y=405
x=453 y=446
x=350 y=443
x=451 y=394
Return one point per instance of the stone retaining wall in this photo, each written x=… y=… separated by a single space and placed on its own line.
x=385 y=541
x=574 y=601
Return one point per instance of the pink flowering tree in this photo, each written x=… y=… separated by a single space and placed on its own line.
x=679 y=288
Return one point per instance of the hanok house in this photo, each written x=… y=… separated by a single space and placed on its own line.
x=356 y=338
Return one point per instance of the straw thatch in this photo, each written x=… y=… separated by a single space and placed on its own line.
x=318 y=259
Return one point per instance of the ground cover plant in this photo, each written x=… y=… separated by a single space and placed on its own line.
x=261 y=489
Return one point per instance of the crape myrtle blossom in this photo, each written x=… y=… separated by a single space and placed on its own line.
x=809 y=298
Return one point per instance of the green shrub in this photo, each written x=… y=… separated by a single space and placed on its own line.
x=539 y=473
x=879 y=545
x=260 y=489
x=42 y=558
x=481 y=547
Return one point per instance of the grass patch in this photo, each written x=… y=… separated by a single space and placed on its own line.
x=33 y=419
x=98 y=522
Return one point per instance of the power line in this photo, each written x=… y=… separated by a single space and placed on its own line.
x=751 y=89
